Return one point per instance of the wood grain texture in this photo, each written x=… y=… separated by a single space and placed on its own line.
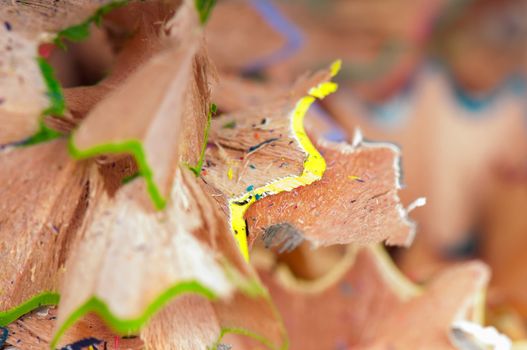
x=126 y=242
x=45 y=196
x=355 y=201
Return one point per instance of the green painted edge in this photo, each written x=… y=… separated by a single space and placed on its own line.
x=56 y=108
x=204 y=8
x=81 y=31
x=128 y=179
x=54 y=89
x=44 y=298
x=133 y=147
x=130 y=326
x=197 y=169
x=253 y=288
x=54 y=92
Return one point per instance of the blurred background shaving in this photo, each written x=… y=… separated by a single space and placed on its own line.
x=443 y=79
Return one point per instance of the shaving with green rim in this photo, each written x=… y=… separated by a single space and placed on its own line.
x=197 y=169
x=42 y=299
x=54 y=92
x=133 y=147
x=204 y=8
x=131 y=326
x=125 y=327
x=56 y=108
x=81 y=31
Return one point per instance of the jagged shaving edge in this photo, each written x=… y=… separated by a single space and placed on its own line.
x=133 y=326
x=250 y=287
x=127 y=327
x=359 y=142
x=314 y=164
x=130 y=326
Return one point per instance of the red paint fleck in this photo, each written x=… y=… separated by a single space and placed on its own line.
x=45 y=50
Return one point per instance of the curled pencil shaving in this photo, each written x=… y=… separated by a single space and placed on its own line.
x=382 y=304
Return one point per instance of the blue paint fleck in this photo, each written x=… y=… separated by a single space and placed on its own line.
x=3 y=337
x=83 y=343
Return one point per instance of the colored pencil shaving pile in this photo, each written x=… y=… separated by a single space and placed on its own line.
x=199 y=175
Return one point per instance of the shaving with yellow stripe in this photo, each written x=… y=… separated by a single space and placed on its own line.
x=281 y=136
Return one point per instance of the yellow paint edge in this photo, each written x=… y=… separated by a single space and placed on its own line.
x=314 y=165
